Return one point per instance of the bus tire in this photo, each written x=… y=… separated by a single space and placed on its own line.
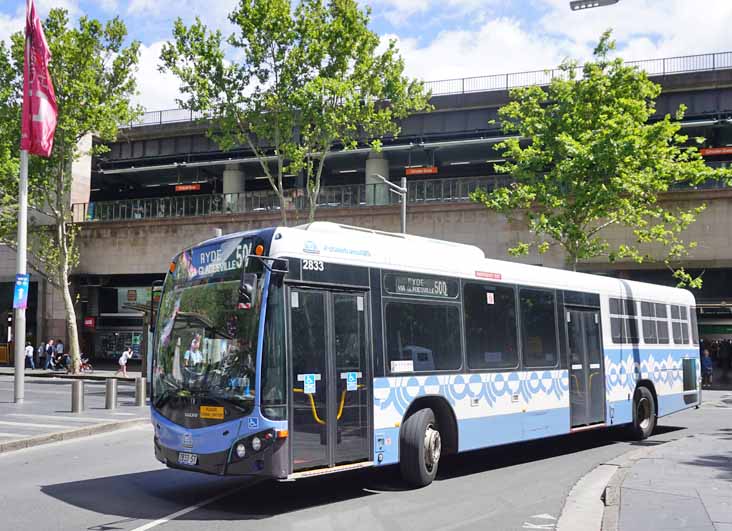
x=644 y=414
x=420 y=447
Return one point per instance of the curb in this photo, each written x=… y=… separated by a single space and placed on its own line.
x=75 y=433
x=611 y=493
x=608 y=511
x=83 y=376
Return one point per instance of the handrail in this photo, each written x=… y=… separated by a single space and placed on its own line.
x=344 y=196
x=465 y=85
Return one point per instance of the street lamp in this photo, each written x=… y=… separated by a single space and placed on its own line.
x=578 y=5
x=401 y=191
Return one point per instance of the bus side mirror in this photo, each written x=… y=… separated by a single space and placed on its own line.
x=247 y=291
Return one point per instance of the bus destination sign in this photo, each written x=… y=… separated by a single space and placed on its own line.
x=214 y=260
x=420 y=286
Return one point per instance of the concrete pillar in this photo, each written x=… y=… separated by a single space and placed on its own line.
x=377 y=193
x=234 y=188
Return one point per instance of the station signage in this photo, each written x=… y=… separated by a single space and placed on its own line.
x=423 y=170
x=194 y=187
x=708 y=152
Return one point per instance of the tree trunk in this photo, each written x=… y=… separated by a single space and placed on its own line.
x=313 y=205
x=63 y=275
x=74 y=350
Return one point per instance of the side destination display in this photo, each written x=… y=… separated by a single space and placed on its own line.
x=421 y=286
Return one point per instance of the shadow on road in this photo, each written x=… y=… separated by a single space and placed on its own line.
x=154 y=494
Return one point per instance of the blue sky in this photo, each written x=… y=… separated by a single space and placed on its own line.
x=442 y=39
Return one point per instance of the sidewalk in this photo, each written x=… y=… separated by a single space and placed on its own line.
x=685 y=484
x=45 y=415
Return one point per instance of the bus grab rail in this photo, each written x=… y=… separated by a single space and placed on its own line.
x=314 y=410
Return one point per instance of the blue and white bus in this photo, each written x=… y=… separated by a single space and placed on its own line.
x=292 y=352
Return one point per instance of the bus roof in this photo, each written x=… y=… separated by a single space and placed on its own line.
x=357 y=245
x=347 y=244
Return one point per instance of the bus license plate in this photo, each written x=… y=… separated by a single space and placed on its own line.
x=184 y=458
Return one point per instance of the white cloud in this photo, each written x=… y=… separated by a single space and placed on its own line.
x=498 y=46
x=481 y=43
x=397 y=12
x=9 y=25
x=108 y=6
x=44 y=6
x=137 y=7
x=157 y=90
x=644 y=29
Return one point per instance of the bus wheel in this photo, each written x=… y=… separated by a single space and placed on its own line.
x=644 y=414
x=420 y=448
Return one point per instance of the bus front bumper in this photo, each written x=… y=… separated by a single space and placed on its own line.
x=264 y=463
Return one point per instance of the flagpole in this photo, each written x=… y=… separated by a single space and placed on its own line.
x=19 y=320
x=21 y=256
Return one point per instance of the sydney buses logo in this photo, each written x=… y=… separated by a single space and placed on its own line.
x=311 y=247
x=187 y=440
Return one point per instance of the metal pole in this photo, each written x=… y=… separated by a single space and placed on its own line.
x=404 y=205
x=19 y=320
x=77 y=396
x=140 y=391
x=110 y=397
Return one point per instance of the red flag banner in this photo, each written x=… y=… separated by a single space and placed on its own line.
x=38 y=123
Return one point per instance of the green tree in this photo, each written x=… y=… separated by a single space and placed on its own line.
x=9 y=131
x=305 y=77
x=93 y=73
x=586 y=156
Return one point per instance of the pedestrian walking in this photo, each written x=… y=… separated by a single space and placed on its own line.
x=707 y=368
x=126 y=355
x=29 y=355
x=50 y=351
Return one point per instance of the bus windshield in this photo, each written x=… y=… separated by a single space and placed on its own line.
x=206 y=342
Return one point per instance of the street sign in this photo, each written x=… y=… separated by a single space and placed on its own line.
x=20 y=295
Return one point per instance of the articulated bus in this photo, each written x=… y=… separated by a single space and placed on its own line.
x=292 y=352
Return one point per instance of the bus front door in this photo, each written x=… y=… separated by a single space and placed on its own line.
x=330 y=378
x=586 y=373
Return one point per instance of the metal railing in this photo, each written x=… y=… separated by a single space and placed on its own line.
x=344 y=196
x=445 y=87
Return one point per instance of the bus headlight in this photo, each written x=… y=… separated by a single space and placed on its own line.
x=241 y=450
x=256 y=443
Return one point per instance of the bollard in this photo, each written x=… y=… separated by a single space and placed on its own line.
x=77 y=396
x=110 y=399
x=140 y=389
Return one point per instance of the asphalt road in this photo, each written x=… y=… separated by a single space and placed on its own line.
x=112 y=482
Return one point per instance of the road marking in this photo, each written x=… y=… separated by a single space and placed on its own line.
x=62 y=417
x=30 y=425
x=187 y=510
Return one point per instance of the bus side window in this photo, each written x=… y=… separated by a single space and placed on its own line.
x=422 y=337
x=490 y=326
x=538 y=328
